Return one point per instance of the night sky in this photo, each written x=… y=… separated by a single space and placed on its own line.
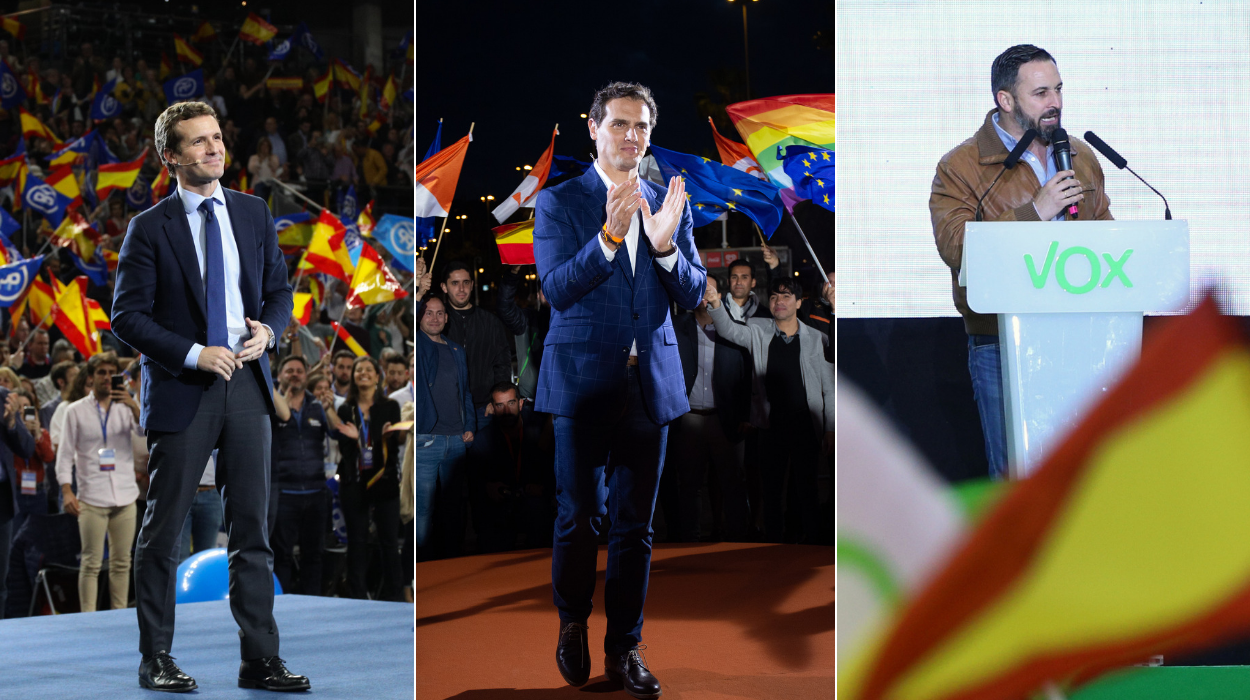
x=517 y=69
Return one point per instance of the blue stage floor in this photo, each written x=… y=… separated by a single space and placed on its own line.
x=347 y=648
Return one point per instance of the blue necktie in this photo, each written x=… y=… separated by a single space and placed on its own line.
x=214 y=278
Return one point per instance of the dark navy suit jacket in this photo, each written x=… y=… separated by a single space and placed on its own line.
x=427 y=371
x=159 y=308
x=599 y=308
x=16 y=441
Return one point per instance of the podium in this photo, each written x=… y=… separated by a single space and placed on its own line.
x=1070 y=297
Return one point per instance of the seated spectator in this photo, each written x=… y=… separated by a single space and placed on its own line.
x=520 y=478
x=96 y=448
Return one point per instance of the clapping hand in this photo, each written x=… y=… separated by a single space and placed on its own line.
x=623 y=202
x=661 y=225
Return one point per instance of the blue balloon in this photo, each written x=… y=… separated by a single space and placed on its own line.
x=206 y=576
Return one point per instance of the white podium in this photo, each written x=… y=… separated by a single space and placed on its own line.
x=1070 y=297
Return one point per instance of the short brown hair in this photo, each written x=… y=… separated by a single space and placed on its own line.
x=102 y=358
x=167 y=137
x=612 y=91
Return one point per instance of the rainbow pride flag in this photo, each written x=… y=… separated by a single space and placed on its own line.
x=769 y=122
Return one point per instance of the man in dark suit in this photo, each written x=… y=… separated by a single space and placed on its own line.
x=201 y=283
x=611 y=374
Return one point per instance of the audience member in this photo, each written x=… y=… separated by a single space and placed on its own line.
x=32 y=497
x=36 y=363
x=15 y=441
x=520 y=478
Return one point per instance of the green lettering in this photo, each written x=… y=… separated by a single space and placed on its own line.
x=1115 y=268
x=1039 y=280
x=1061 y=274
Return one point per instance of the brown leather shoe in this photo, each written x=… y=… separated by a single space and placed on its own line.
x=573 y=653
x=630 y=670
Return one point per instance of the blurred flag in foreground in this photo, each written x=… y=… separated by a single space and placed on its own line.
x=1129 y=541
x=437 y=177
x=399 y=237
x=372 y=283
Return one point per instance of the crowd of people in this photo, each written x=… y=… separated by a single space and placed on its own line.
x=744 y=464
x=73 y=456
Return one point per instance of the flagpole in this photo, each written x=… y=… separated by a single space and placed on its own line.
x=823 y=276
x=288 y=188
x=31 y=334
x=226 y=61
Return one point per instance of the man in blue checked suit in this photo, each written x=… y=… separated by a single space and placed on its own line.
x=201 y=284
x=613 y=253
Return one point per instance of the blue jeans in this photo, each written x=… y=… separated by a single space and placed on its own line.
x=605 y=465
x=438 y=468
x=985 y=366
x=202 y=524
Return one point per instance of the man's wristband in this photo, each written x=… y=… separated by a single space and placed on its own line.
x=610 y=239
x=671 y=251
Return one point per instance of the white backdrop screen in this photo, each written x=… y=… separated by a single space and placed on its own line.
x=1166 y=84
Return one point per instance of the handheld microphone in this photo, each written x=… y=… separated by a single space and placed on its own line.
x=1008 y=163
x=1118 y=161
x=1063 y=159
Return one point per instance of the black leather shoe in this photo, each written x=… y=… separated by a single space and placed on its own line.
x=159 y=672
x=573 y=653
x=269 y=673
x=630 y=670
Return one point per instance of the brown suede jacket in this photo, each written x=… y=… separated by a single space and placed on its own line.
x=962 y=177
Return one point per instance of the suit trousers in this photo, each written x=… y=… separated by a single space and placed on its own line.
x=233 y=418
x=607 y=464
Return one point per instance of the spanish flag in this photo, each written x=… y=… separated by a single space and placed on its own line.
x=257 y=30
x=186 y=52
x=348 y=340
x=345 y=75
x=372 y=283
x=40 y=300
x=302 y=310
x=1129 y=541
x=389 y=92
x=295 y=83
x=11 y=169
x=14 y=27
x=365 y=221
x=516 y=242
x=166 y=66
x=204 y=33
x=64 y=181
x=76 y=234
x=33 y=128
x=160 y=186
x=99 y=319
x=321 y=87
x=118 y=176
x=365 y=85
x=73 y=318
x=318 y=290
x=326 y=251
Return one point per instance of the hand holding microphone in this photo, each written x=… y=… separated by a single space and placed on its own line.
x=1063 y=191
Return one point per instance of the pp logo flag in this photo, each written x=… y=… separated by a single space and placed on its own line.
x=400 y=237
x=15 y=278
x=185 y=87
x=41 y=197
x=139 y=196
x=11 y=92
x=105 y=106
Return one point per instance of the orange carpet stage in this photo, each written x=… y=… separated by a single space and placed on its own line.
x=722 y=621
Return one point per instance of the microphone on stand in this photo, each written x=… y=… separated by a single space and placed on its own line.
x=1008 y=163
x=1118 y=161
x=1063 y=159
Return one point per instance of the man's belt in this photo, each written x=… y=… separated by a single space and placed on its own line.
x=632 y=361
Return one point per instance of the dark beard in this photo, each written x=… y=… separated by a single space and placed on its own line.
x=1044 y=135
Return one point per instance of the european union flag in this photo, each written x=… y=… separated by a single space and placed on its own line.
x=811 y=171
x=564 y=165
x=15 y=278
x=185 y=87
x=713 y=188
x=12 y=94
x=399 y=237
x=41 y=197
x=105 y=106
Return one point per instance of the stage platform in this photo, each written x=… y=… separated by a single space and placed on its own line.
x=722 y=621
x=347 y=648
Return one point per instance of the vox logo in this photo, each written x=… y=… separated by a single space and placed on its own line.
x=1058 y=261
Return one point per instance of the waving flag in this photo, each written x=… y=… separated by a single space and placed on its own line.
x=345 y=75
x=96 y=269
x=204 y=33
x=76 y=235
x=302 y=310
x=527 y=192
x=515 y=242
x=256 y=30
x=16 y=278
x=74 y=151
x=372 y=283
x=301 y=37
x=33 y=128
x=186 y=52
x=73 y=318
x=12 y=170
x=713 y=188
x=293 y=83
x=436 y=179
x=321 y=87
x=41 y=197
x=736 y=155
x=11 y=92
x=1124 y=544
x=96 y=316
x=765 y=124
x=326 y=251
x=139 y=196
x=294 y=231
x=364 y=221
x=347 y=339
x=64 y=181
x=118 y=176
x=564 y=165
x=347 y=203
x=35 y=88
x=399 y=237
x=14 y=27
x=424 y=226
x=811 y=171
x=185 y=87
x=39 y=300
x=405 y=48
x=104 y=105
x=160 y=186
x=389 y=92
x=8 y=227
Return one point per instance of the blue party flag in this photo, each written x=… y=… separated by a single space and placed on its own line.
x=564 y=165
x=713 y=189
x=105 y=106
x=300 y=37
x=15 y=278
x=185 y=87
x=811 y=171
x=399 y=236
x=347 y=204
x=11 y=92
x=44 y=199
x=8 y=227
x=139 y=196
x=96 y=269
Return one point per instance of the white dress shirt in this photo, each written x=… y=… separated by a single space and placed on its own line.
x=631 y=244
x=236 y=325
x=701 y=392
x=78 y=453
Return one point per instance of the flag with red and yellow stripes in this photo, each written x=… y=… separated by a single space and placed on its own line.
x=14 y=27
x=372 y=283
x=73 y=317
x=1128 y=542
x=33 y=128
x=166 y=66
x=303 y=307
x=348 y=340
x=118 y=176
x=204 y=33
x=186 y=52
x=326 y=251
x=515 y=242
x=256 y=30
